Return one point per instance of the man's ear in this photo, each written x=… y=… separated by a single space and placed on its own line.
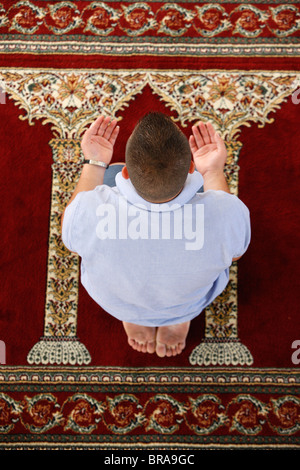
x=192 y=167
x=125 y=173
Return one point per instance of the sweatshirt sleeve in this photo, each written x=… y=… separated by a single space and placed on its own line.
x=240 y=228
x=69 y=224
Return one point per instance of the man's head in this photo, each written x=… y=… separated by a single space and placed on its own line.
x=158 y=158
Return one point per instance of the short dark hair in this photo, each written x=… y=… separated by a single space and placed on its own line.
x=158 y=157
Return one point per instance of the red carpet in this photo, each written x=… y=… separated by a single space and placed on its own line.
x=255 y=403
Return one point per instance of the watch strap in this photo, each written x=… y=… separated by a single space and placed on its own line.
x=96 y=162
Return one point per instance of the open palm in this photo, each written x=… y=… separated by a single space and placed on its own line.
x=207 y=147
x=98 y=141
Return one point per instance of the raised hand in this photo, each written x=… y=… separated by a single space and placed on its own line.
x=208 y=148
x=98 y=141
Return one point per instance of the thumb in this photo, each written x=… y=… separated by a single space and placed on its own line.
x=219 y=141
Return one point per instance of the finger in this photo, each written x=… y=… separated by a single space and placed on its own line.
x=204 y=133
x=193 y=145
x=197 y=135
x=219 y=141
x=114 y=135
x=110 y=129
x=103 y=126
x=94 y=127
x=211 y=132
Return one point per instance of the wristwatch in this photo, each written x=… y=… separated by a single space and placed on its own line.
x=95 y=162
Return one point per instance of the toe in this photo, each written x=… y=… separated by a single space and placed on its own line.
x=170 y=351
x=141 y=347
x=161 y=349
x=151 y=347
x=132 y=343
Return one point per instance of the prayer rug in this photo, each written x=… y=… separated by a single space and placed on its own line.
x=68 y=379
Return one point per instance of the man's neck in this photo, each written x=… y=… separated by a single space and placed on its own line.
x=166 y=200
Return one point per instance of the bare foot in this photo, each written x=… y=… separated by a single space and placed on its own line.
x=170 y=340
x=140 y=338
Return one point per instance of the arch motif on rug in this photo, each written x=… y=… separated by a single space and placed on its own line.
x=70 y=100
